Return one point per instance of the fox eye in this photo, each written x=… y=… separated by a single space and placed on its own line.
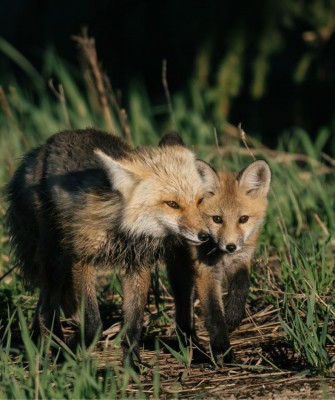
x=217 y=219
x=200 y=200
x=243 y=219
x=173 y=204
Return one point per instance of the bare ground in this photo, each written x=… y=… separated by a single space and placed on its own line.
x=266 y=365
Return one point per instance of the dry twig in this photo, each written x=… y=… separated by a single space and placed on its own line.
x=59 y=93
x=167 y=93
x=88 y=49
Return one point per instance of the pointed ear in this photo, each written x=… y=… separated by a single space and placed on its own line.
x=120 y=176
x=255 y=179
x=208 y=176
x=171 y=139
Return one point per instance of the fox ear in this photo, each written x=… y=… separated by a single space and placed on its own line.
x=171 y=139
x=255 y=179
x=208 y=176
x=120 y=176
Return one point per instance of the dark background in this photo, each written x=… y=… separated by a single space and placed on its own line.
x=282 y=53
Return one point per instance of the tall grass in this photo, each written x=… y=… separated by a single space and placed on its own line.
x=30 y=372
x=299 y=229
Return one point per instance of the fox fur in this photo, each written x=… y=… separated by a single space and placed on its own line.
x=86 y=200
x=234 y=217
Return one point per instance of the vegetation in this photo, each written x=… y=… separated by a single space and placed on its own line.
x=287 y=340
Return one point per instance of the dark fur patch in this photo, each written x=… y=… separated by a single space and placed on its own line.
x=128 y=253
x=171 y=139
x=209 y=253
x=261 y=174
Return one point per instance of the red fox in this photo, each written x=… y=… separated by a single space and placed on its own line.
x=86 y=200
x=234 y=216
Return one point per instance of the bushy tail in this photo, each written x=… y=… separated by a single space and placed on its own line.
x=20 y=220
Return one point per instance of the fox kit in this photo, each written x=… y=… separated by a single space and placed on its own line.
x=86 y=200
x=234 y=216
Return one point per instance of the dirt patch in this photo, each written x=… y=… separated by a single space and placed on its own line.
x=266 y=365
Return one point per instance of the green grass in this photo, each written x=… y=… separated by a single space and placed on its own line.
x=298 y=233
x=29 y=372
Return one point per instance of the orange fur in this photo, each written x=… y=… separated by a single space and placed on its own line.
x=234 y=216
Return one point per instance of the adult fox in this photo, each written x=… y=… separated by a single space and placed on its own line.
x=86 y=200
x=234 y=216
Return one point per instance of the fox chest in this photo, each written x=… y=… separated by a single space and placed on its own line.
x=119 y=250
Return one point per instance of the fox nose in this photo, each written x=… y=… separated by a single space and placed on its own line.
x=203 y=236
x=231 y=247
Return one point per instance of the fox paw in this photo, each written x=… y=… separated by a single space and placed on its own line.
x=223 y=356
x=131 y=357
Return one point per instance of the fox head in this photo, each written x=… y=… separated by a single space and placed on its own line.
x=161 y=190
x=236 y=211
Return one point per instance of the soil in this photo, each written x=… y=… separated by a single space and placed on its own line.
x=266 y=366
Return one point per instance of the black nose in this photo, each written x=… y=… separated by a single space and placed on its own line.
x=203 y=236
x=231 y=247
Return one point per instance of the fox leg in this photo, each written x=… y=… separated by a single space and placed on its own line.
x=208 y=284
x=46 y=317
x=181 y=276
x=80 y=291
x=135 y=292
x=238 y=289
x=50 y=263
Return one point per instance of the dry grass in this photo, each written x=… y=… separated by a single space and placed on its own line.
x=266 y=365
